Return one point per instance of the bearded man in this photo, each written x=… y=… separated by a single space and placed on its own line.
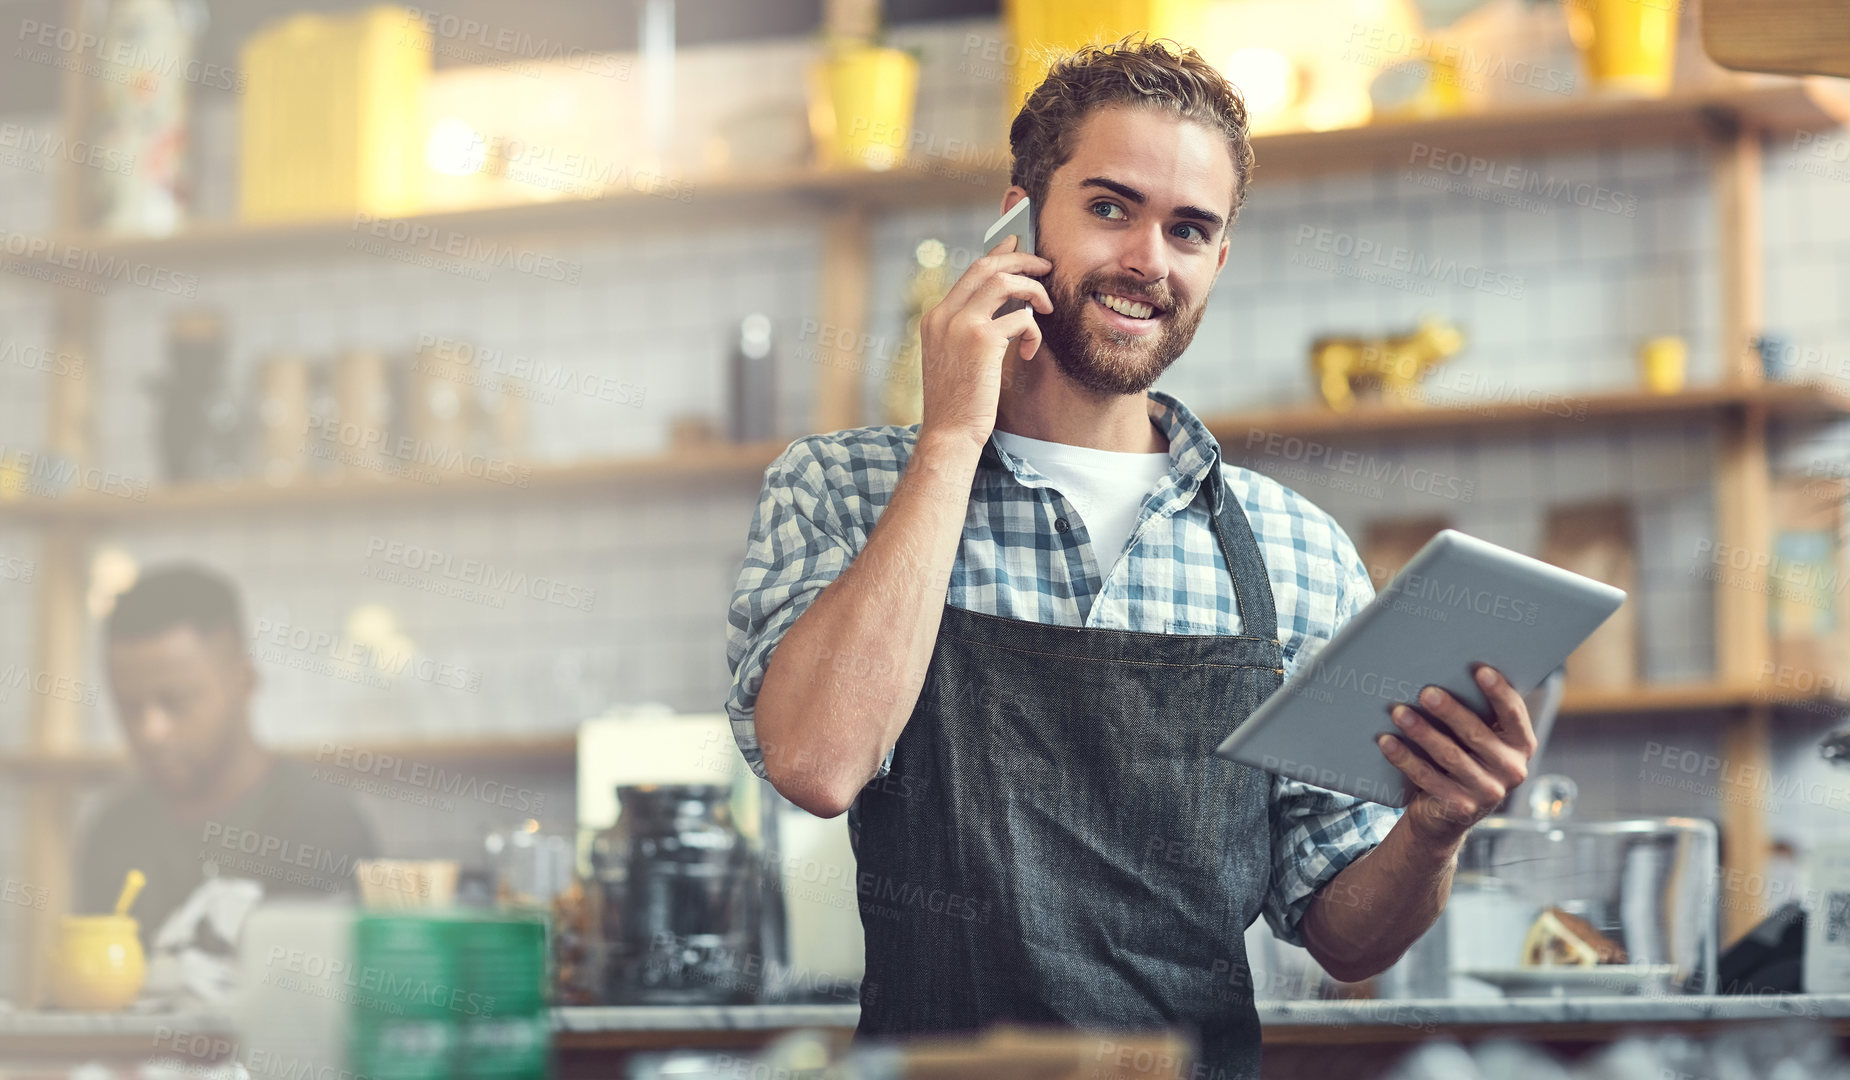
x=1007 y=640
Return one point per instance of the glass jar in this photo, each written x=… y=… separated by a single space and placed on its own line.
x=1548 y=905
x=675 y=881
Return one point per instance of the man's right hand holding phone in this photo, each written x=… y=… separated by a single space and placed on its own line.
x=963 y=343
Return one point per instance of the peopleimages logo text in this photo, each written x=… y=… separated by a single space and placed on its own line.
x=479 y=572
x=99 y=266
x=1423 y=587
x=1418 y=266
x=434 y=778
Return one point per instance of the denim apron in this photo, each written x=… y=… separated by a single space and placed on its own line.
x=1055 y=842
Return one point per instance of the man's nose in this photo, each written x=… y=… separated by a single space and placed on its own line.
x=1146 y=254
x=153 y=725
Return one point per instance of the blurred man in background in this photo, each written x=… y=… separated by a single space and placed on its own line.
x=211 y=806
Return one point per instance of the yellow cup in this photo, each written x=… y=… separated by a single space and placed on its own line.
x=99 y=965
x=860 y=106
x=1627 y=46
x=1445 y=87
x=1663 y=362
x=1040 y=28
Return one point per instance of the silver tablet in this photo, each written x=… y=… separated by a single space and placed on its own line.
x=1458 y=602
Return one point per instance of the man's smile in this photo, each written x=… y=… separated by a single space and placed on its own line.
x=1128 y=313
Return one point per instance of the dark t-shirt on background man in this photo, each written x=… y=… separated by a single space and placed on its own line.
x=295 y=835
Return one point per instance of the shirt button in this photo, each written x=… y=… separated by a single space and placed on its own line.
x=1060 y=524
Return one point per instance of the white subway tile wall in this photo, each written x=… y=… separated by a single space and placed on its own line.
x=29 y=167
x=1554 y=295
x=28 y=366
x=20 y=563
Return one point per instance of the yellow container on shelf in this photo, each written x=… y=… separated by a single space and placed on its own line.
x=99 y=965
x=333 y=117
x=1418 y=89
x=1042 y=28
x=1662 y=361
x=861 y=98
x=1628 y=47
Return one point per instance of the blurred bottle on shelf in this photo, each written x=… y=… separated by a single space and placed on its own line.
x=502 y=411
x=364 y=412
x=902 y=394
x=752 y=382
x=198 y=429
x=145 y=66
x=441 y=406
x=401 y=383
x=574 y=952
x=283 y=419
x=363 y=406
x=531 y=866
x=324 y=415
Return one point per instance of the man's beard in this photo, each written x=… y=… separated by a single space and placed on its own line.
x=1109 y=361
x=182 y=774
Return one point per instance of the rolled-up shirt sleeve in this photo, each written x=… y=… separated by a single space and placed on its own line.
x=1317 y=832
x=798 y=544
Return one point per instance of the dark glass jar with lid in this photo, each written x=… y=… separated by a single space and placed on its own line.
x=675 y=881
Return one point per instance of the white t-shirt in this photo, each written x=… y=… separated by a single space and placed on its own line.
x=1107 y=487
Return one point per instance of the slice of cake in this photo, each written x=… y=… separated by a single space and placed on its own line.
x=1558 y=938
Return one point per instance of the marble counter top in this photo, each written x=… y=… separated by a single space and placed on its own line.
x=1416 y=1013
x=1412 y=1012
x=1618 y=1009
x=599 y=1018
x=52 y=1023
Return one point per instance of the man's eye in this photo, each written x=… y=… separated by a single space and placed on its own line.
x=1195 y=234
x=1105 y=209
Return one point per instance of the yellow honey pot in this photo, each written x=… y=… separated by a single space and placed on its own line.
x=99 y=965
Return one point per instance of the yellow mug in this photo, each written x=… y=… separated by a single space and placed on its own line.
x=1663 y=361
x=1628 y=46
x=860 y=106
x=99 y=965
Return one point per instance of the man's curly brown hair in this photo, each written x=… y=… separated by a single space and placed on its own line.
x=1134 y=70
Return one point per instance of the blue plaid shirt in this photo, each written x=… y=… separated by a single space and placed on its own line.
x=824 y=493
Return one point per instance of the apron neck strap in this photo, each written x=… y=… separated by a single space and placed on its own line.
x=1252 y=590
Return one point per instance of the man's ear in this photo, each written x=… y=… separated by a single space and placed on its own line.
x=1221 y=264
x=1013 y=195
x=239 y=666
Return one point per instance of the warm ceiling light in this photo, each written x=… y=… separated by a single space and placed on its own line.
x=112 y=571
x=455 y=148
x=1266 y=77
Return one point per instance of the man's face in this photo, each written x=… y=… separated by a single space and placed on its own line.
x=182 y=699
x=1137 y=218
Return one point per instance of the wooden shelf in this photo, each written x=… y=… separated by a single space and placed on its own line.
x=1759 y=104
x=1553 y=409
x=727 y=463
x=980 y=175
x=97 y=766
x=722 y=463
x=555 y=749
x=810 y=191
x=1709 y=697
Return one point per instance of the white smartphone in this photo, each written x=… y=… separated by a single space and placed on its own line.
x=1018 y=222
